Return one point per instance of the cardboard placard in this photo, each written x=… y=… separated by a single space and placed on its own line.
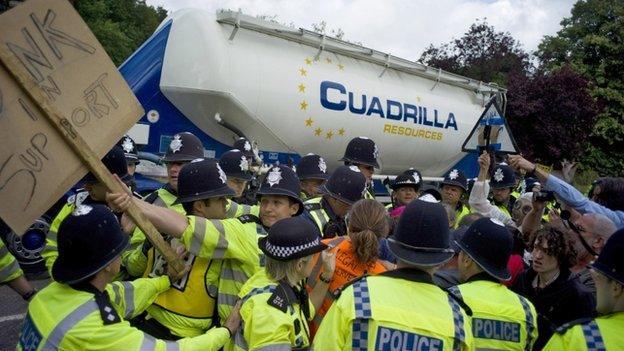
x=59 y=54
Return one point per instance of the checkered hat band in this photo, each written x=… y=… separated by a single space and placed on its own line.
x=287 y=251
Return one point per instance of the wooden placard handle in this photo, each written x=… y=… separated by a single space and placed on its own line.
x=85 y=153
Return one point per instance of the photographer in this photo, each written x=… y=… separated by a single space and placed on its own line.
x=606 y=200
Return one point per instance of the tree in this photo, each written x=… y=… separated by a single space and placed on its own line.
x=591 y=41
x=482 y=53
x=121 y=26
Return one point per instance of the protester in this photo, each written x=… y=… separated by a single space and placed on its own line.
x=501 y=319
x=82 y=310
x=557 y=297
x=478 y=195
x=604 y=332
x=312 y=173
x=276 y=307
x=356 y=254
x=395 y=309
x=363 y=153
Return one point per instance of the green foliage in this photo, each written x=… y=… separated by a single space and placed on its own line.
x=120 y=25
x=591 y=41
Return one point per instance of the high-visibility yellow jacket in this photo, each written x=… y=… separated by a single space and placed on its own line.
x=265 y=327
x=501 y=319
x=320 y=216
x=235 y=210
x=9 y=268
x=396 y=310
x=462 y=211
x=600 y=334
x=61 y=317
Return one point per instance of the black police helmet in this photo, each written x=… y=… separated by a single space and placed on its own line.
x=202 y=179
x=422 y=235
x=184 y=147
x=346 y=184
x=245 y=147
x=410 y=178
x=361 y=150
x=457 y=178
x=281 y=180
x=89 y=239
x=610 y=262
x=503 y=177
x=236 y=165
x=115 y=162
x=312 y=166
x=130 y=150
x=489 y=244
x=291 y=238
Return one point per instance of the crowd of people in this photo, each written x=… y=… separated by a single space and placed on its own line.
x=517 y=259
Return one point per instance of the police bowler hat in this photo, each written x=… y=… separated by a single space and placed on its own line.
x=115 y=162
x=291 y=238
x=457 y=178
x=236 y=165
x=89 y=239
x=489 y=244
x=503 y=177
x=346 y=184
x=409 y=178
x=245 y=147
x=610 y=262
x=312 y=166
x=281 y=180
x=130 y=150
x=422 y=235
x=184 y=147
x=202 y=179
x=361 y=150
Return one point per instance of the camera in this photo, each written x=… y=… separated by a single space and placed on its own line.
x=544 y=196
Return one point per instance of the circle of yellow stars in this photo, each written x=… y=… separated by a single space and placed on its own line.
x=303 y=105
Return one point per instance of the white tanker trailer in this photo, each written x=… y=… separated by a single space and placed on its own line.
x=295 y=91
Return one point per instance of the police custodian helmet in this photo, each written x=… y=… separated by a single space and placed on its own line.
x=503 y=177
x=202 y=179
x=115 y=162
x=281 y=180
x=361 y=150
x=184 y=147
x=130 y=150
x=610 y=262
x=457 y=178
x=236 y=165
x=346 y=184
x=312 y=166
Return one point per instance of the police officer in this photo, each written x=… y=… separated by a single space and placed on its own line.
x=363 y=153
x=236 y=166
x=82 y=310
x=604 y=332
x=453 y=188
x=276 y=308
x=231 y=245
x=343 y=188
x=503 y=183
x=312 y=173
x=94 y=193
x=130 y=151
x=405 y=188
x=12 y=275
x=501 y=319
x=395 y=310
x=244 y=145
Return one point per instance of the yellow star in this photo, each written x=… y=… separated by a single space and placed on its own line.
x=303 y=105
x=309 y=122
x=329 y=134
x=303 y=72
x=301 y=88
x=308 y=61
x=328 y=60
x=341 y=131
x=340 y=66
x=318 y=131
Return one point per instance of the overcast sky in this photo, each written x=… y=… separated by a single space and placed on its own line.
x=403 y=27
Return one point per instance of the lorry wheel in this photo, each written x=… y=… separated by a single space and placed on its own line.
x=28 y=247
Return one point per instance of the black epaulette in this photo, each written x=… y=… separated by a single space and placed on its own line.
x=249 y=218
x=461 y=302
x=151 y=197
x=312 y=206
x=565 y=327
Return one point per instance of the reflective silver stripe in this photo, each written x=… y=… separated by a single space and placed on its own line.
x=160 y=202
x=530 y=322
x=231 y=212
x=172 y=346
x=593 y=339
x=199 y=234
x=3 y=251
x=148 y=343
x=276 y=347
x=52 y=236
x=227 y=299
x=117 y=293
x=363 y=312
x=64 y=326
x=232 y=274
x=239 y=339
x=222 y=244
x=246 y=209
x=129 y=299
x=8 y=270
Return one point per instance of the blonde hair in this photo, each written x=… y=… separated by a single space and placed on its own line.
x=279 y=270
x=367 y=223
